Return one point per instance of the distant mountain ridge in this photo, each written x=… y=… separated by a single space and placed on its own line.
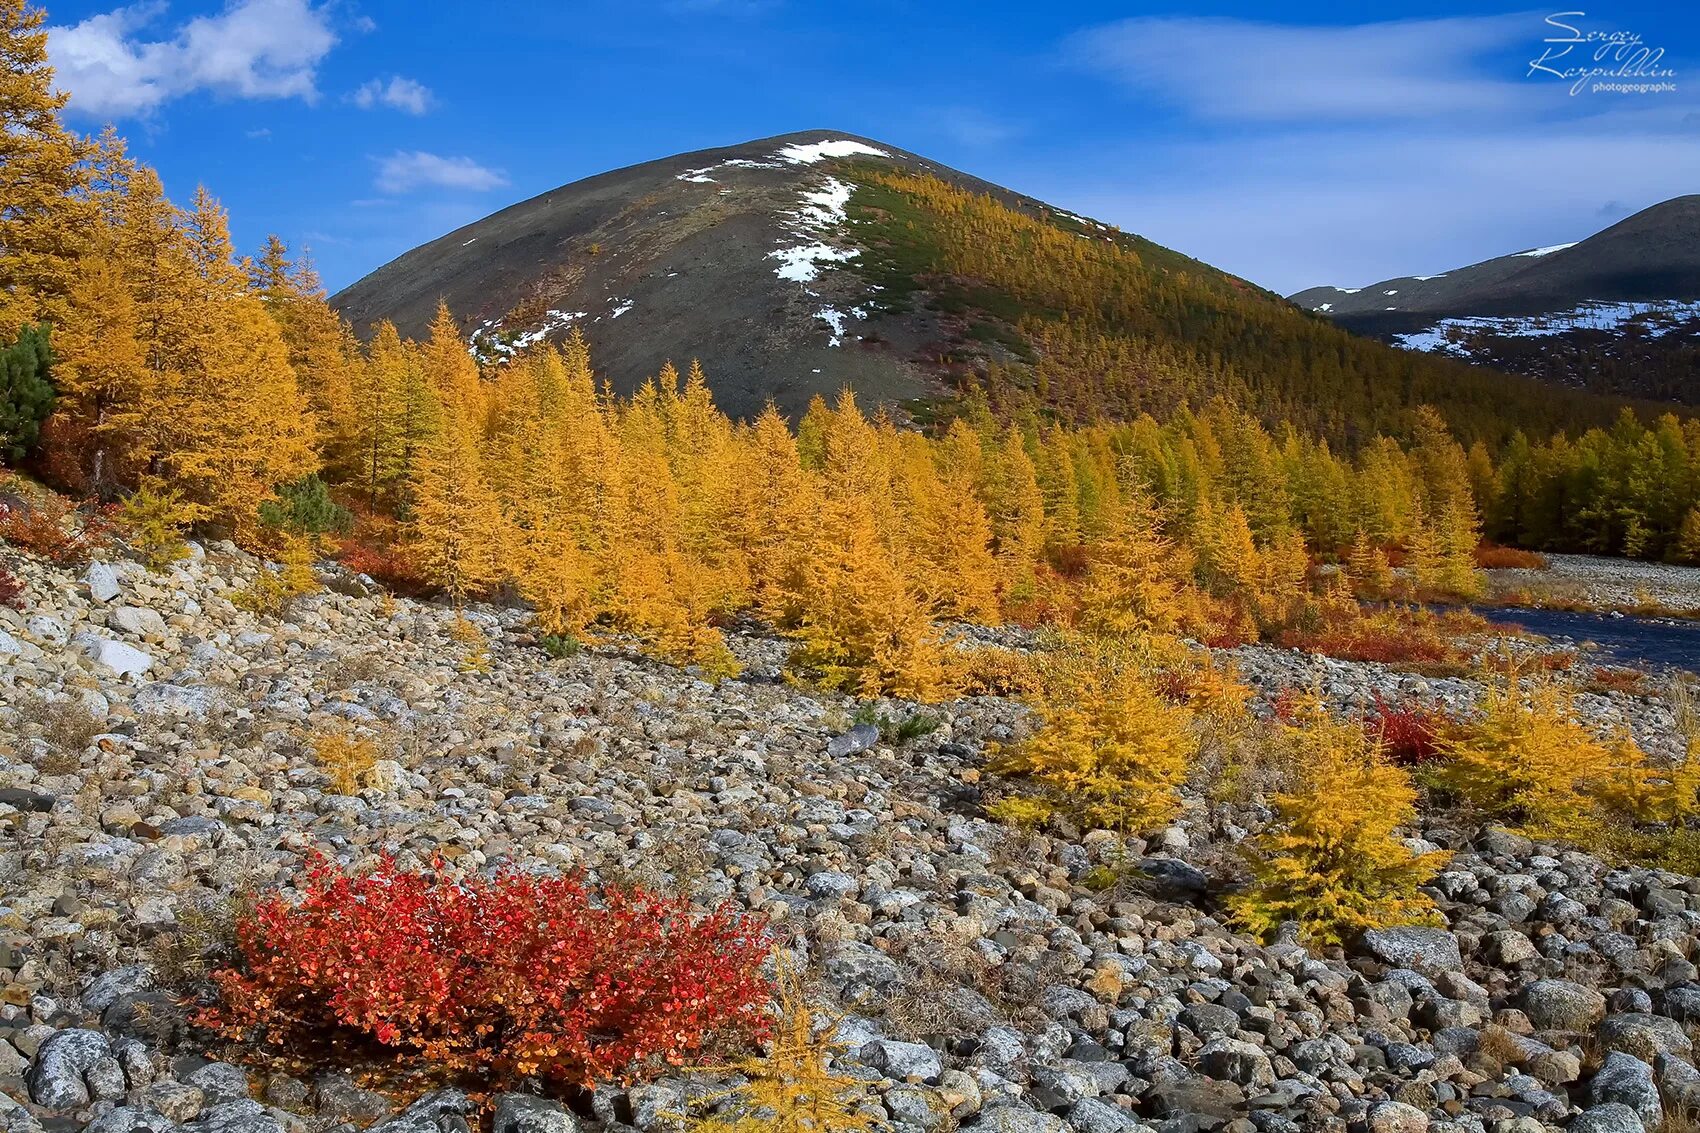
x=797 y=265
x=1617 y=312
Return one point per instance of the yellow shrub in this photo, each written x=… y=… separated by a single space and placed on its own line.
x=1647 y=793
x=1020 y=810
x=346 y=758
x=477 y=656
x=153 y=519
x=1527 y=758
x=272 y=591
x=1330 y=860
x=791 y=1090
x=1109 y=747
x=994 y=672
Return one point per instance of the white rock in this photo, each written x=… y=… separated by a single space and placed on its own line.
x=49 y=630
x=123 y=660
x=102 y=581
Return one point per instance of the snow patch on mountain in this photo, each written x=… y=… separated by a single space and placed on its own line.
x=1547 y=251
x=818 y=151
x=821 y=213
x=1655 y=319
x=489 y=342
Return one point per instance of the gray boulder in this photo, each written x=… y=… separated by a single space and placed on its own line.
x=854 y=742
x=243 y=1116
x=1010 y=1119
x=1627 y=1080
x=130 y=1119
x=1430 y=951
x=441 y=1111
x=1560 y=1005
x=522 y=1113
x=220 y=1082
x=1643 y=1035
x=73 y=1068
x=1091 y=1115
x=903 y=1061
x=1612 y=1117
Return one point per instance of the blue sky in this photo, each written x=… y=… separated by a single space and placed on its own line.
x=1316 y=143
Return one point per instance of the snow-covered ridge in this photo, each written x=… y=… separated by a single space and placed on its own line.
x=1656 y=319
x=817 y=151
x=1547 y=251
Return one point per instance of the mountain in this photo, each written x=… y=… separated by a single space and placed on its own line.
x=796 y=265
x=1617 y=313
x=729 y=256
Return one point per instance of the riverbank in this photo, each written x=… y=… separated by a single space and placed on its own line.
x=1591 y=582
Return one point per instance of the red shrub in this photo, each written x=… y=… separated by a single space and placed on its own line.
x=1608 y=679
x=11 y=590
x=1409 y=735
x=49 y=527
x=1491 y=556
x=383 y=564
x=509 y=976
x=1368 y=642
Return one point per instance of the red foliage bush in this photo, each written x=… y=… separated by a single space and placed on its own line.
x=507 y=976
x=11 y=590
x=1409 y=735
x=383 y=564
x=1491 y=556
x=1370 y=642
x=52 y=527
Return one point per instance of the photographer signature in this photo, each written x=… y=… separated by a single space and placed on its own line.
x=1612 y=60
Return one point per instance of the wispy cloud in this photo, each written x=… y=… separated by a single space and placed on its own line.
x=1240 y=69
x=971 y=126
x=406 y=170
x=397 y=93
x=1301 y=155
x=116 y=67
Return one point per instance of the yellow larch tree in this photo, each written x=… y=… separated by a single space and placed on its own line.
x=1009 y=489
x=45 y=215
x=457 y=530
x=1107 y=748
x=1331 y=860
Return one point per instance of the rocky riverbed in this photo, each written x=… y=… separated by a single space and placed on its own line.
x=1596 y=583
x=156 y=759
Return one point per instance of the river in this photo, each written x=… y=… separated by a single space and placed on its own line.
x=1643 y=643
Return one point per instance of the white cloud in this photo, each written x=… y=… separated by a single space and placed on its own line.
x=398 y=93
x=1290 y=211
x=1238 y=69
x=258 y=49
x=405 y=170
x=1305 y=155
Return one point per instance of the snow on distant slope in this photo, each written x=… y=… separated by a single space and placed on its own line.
x=1547 y=251
x=1656 y=319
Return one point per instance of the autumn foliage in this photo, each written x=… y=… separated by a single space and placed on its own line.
x=1409 y=734
x=504 y=977
x=1110 y=749
x=1330 y=860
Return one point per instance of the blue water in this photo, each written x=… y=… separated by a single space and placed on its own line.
x=1658 y=643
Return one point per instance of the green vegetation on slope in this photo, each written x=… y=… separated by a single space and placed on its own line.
x=1085 y=323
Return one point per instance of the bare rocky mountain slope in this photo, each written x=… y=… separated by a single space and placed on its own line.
x=729 y=256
